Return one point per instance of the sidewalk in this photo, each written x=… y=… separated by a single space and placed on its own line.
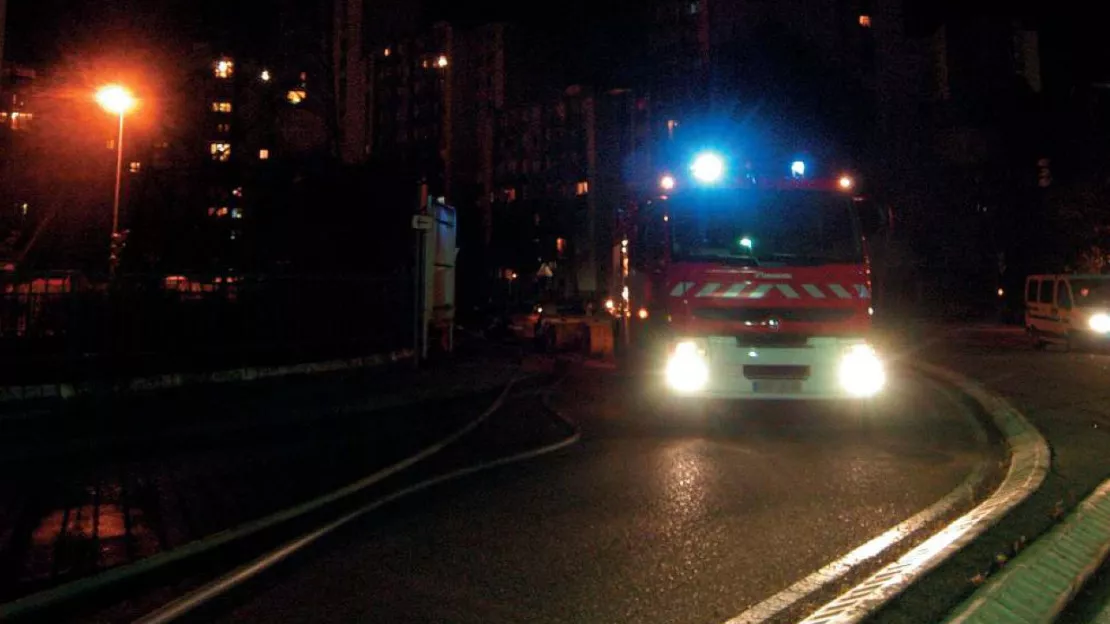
x=53 y=426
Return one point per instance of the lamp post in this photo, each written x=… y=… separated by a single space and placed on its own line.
x=117 y=100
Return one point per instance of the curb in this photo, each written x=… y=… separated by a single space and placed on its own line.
x=178 y=380
x=1041 y=581
x=1029 y=463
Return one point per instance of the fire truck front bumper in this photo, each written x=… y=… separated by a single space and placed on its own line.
x=725 y=367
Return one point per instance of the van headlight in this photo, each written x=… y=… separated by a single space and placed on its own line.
x=687 y=368
x=1099 y=322
x=861 y=371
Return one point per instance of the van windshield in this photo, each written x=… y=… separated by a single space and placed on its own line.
x=1088 y=292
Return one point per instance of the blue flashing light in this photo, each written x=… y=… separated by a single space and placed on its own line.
x=708 y=167
x=798 y=169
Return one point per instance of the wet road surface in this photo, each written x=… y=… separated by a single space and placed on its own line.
x=649 y=518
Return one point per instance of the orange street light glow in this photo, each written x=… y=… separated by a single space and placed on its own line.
x=115 y=99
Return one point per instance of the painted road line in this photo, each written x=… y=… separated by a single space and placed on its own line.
x=29 y=606
x=837 y=570
x=1037 y=584
x=1029 y=463
x=202 y=595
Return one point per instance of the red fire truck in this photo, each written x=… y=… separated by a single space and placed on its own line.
x=761 y=286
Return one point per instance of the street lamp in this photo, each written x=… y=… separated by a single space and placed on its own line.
x=118 y=101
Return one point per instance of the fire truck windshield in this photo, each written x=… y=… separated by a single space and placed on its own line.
x=765 y=228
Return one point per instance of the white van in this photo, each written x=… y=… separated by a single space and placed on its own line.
x=1067 y=309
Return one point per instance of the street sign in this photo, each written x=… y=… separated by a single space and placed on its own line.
x=422 y=222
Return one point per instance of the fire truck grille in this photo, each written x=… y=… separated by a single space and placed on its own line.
x=762 y=315
x=776 y=372
x=766 y=339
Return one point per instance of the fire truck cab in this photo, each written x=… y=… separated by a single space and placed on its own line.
x=765 y=287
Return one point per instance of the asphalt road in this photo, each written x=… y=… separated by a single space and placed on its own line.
x=646 y=519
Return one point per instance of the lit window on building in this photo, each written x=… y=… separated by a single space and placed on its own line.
x=582 y=188
x=221 y=107
x=211 y=211
x=223 y=128
x=865 y=21
x=21 y=120
x=441 y=61
x=561 y=246
x=296 y=96
x=220 y=151
x=386 y=52
x=224 y=68
x=237 y=191
x=236 y=213
x=263 y=154
x=222 y=212
x=265 y=75
x=304 y=76
x=510 y=194
x=135 y=166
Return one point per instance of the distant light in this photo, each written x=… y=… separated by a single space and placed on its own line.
x=224 y=68
x=708 y=167
x=263 y=154
x=115 y=99
x=865 y=21
x=513 y=276
x=798 y=169
x=624 y=242
x=667 y=182
x=135 y=166
x=870 y=311
x=386 y=52
x=296 y=96
x=609 y=305
x=643 y=314
x=746 y=242
x=624 y=293
x=753 y=354
x=1001 y=292
x=441 y=62
x=265 y=75
x=666 y=218
x=845 y=182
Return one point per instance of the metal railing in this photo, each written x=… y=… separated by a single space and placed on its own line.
x=142 y=324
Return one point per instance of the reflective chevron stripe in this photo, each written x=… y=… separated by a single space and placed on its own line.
x=787 y=290
x=708 y=289
x=681 y=288
x=734 y=290
x=759 y=291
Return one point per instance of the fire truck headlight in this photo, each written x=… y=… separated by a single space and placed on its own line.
x=708 y=167
x=1100 y=323
x=861 y=371
x=687 y=369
